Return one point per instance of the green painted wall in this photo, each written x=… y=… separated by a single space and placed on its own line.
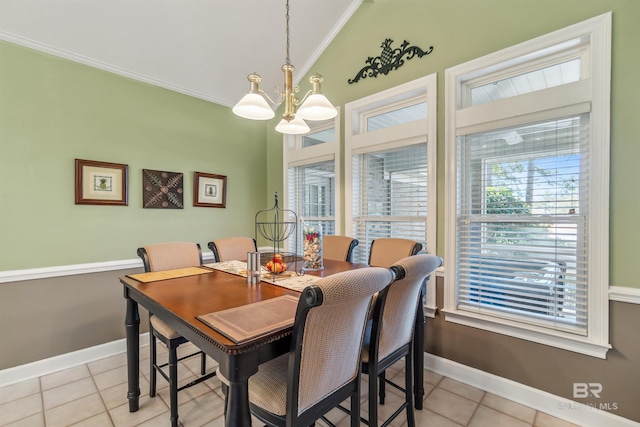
x=53 y=111
x=461 y=30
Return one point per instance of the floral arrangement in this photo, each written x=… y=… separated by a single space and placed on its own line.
x=312 y=255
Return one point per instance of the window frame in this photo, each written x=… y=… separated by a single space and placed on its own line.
x=359 y=141
x=590 y=94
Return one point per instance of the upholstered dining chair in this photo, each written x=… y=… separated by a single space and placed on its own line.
x=385 y=252
x=294 y=389
x=231 y=248
x=338 y=247
x=390 y=336
x=167 y=256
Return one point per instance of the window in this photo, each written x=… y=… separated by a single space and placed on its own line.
x=314 y=187
x=390 y=168
x=313 y=176
x=527 y=205
x=389 y=196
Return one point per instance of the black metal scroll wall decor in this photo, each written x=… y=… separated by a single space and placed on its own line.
x=389 y=59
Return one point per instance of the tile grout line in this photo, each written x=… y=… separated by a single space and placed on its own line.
x=101 y=398
x=44 y=418
x=475 y=411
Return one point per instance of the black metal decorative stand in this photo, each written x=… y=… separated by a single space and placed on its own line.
x=389 y=59
x=278 y=226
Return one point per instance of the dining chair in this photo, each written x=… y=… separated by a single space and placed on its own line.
x=390 y=335
x=385 y=252
x=167 y=256
x=232 y=248
x=294 y=389
x=338 y=247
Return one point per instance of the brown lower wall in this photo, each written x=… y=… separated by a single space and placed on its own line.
x=48 y=317
x=547 y=368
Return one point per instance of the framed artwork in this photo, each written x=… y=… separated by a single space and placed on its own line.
x=209 y=190
x=101 y=183
x=162 y=190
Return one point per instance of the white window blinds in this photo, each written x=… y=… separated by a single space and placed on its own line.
x=522 y=223
x=312 y=194
x=389 y=196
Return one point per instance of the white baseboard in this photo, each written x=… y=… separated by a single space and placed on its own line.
x=539 y=400
x=65 y=361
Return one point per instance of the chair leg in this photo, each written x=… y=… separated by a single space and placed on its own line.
x=408 y=377
x=152 y=363
x=203 y=364
x=173 y=385
x=381 y=387
x=225 y=391
x=373 y=402
x=355 y=410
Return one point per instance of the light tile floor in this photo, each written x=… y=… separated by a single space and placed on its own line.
x=94 y=395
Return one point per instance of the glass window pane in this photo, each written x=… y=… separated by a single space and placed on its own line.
x=397 y=117
x=390 y=196
x=522 y=222
x=543 y=78
x=312 y=194
x=319 y=137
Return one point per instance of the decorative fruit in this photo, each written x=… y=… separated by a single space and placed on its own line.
x=277 y=258
x=276 y=267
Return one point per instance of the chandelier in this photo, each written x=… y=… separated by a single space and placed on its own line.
x=313 y=106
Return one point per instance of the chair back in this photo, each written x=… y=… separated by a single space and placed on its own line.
x=386 y=251
x=167 y=256
x=338 y=247
x=232 y=248
x=327 y=335
x=394 y=315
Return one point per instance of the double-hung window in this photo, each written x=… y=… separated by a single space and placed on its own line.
x=390 y=154
x=313 y=175
x=527 y=189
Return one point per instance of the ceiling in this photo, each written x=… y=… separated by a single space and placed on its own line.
x=202 y=48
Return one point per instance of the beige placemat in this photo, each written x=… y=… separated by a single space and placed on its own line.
x=153 y=276
x=240 y=324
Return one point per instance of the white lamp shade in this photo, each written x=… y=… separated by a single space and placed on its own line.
x=253 y=106
x=296 y=126
x=317 y=107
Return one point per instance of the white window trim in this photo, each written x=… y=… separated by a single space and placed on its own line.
x=597 y=87
x=295 y=155
x=402 y=135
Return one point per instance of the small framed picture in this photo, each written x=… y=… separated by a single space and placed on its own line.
x=162 y=189
x=101 y=183
x=209 y=190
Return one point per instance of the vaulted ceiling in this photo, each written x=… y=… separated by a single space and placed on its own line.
x=202 y=48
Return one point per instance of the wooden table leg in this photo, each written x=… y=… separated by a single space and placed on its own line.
x=238 y=413
x=132 y=329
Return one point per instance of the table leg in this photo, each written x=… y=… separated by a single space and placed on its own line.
x=132 y=329
x=418 y=357
x=238 y=412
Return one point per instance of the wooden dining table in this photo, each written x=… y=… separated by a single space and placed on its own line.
x=179 y=301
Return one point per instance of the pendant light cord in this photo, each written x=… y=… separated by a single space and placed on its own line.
x=288 y=60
